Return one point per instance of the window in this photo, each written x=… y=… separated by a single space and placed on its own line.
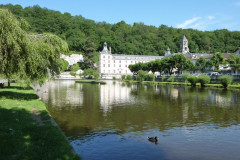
x=126 y=66
x=120 y=65
x=108 y=61
x=103 y=56
x=108 y=65
x=120 y=61
x=103 y=65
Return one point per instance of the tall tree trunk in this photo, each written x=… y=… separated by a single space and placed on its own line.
x=9 y=81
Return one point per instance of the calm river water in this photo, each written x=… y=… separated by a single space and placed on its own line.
x=113 y=121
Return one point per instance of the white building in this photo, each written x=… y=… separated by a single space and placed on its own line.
x=115 y=65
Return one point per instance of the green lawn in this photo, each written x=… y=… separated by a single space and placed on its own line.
x=26 y=130
x=90 y=81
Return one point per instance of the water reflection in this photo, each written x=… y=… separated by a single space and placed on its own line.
x=123 y=115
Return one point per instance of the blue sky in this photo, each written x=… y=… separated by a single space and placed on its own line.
x=198 y=14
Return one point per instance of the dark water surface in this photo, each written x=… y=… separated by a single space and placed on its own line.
x=113 y=121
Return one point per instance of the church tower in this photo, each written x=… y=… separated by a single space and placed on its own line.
x=184 y=45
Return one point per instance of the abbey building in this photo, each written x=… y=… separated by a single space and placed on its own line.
x=115 y=65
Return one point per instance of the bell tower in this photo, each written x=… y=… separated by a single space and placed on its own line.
x=184 y=45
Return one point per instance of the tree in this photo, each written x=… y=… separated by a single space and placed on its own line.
x=201 y=64
x=91 y=73
x=216 y=60
x=44 y=57
x=234 y=61
x=178 y=61
x=14 y=45
x=74 y=69
x=25 y=56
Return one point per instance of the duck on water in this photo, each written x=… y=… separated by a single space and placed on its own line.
x=153 y=139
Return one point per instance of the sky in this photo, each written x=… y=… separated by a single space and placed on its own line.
x=204 y=15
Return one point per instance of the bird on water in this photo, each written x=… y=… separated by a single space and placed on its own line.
x=153 y=139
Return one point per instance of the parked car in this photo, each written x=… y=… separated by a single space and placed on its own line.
x=213 y=74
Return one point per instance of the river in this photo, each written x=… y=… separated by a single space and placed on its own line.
x=113 y=121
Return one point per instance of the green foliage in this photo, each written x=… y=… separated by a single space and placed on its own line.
x=234 y=61
x=141 y=75
x=163 y=77
x=225 y=80
x=204 y=79
x=216 y=60
x=73 y=69
x=192 y=80
x=149 y=77
x=129 y=78
x=114 y=78
x=201 y=64
x=91 y=73
x=185 y=75
x=123 y=77
x=136 y=39
x=64 y=65
x=171 y=79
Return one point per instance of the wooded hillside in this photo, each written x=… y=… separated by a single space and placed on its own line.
x=83 y=34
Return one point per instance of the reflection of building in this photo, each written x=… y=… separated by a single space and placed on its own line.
x=111 y=94
x=61 y=93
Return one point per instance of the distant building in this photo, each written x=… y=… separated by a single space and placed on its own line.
x=114 y=65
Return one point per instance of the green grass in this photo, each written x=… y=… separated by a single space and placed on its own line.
x=22 y=136
x=90 y=81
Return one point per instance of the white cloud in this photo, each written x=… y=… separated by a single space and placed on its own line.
x=210 y=17
x=188 y=22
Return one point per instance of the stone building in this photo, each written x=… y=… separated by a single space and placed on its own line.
x=114 y=65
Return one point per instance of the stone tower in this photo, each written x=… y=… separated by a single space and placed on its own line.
x=184 y=45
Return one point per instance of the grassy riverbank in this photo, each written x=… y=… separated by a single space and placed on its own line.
x=90 y=81
x=235 y=86
x=27 y=131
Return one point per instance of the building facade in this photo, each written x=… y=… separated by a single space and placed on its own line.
x=114 y=65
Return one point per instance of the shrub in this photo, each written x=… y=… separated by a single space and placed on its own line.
x=185 y=75
x=149 y=77
x=114 y=78
x=123 y=77
x=204 y=79
x=163 y=77
x=129 y=77
x=141 y=75
x=91 y=73
x=192 y=80
x=171 y=79
x=225 y=80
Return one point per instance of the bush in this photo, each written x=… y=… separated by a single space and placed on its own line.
x=123 y=77
x=163 y=77
x=141 y=75
x=185 y=75
x=192 y=80
x=91 y=73
x=204 y=79
x=171 y=79
x=149 y=77
x=225 y=80
x=114 y=78
x=129 y=77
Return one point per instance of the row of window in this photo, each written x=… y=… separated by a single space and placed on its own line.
x=120 y=72
x=142 y=58
x=114 y=65
x=126 y=61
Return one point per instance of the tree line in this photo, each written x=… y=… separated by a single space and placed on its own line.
x=179 y=62
x=87 y=36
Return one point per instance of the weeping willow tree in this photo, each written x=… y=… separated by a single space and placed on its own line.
x=27 y=56
x=44 y=59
